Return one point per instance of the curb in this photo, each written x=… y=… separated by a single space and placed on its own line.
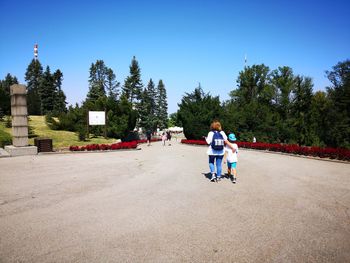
x=3 y=153
x=75 y=152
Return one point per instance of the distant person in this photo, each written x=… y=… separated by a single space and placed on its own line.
x=168 y=135
x=216 y=139
x=254 y=140
x=164 y=138
x=231 y=157
x=148 y=135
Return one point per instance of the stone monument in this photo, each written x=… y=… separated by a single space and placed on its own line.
x=19 y=114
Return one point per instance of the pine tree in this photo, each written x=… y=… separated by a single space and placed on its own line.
x=33 y=78
x=60 y=98
x=112 y=84
x=161 y=106
x=98 y=80
x=133 y=85
x=147 y=108
x=5 y=100
x=47 y=92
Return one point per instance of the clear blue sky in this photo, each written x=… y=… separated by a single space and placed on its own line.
x=180 y=42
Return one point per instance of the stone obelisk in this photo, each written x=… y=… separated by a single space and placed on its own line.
x=19 y=114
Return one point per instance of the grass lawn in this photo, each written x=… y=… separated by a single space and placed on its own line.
x=60 y=139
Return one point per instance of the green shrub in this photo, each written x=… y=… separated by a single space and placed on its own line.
x=81 y=133
x=5 y=138
x=8 y=122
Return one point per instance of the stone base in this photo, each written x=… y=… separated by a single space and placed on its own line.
x=19 y=151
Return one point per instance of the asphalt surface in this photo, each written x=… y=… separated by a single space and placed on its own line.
x=157 y=205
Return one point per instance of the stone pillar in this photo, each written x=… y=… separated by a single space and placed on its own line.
x=19 y=114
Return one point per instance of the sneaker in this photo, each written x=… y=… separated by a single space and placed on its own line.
x=231 y=177
x=234 y=180
x=213 y=178
x=218 y=179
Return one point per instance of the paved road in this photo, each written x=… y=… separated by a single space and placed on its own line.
x=156 y=205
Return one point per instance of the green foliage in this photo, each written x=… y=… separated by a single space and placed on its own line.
x=101 y=79
x=47 y=92
x=5 y=138
x=5 y=100
x=133 y=85
x=174 y=120
x=147 y=108
x=8 y=121
x=33 y=78
x=44 y=93
x=196 y=111
x=161 y=105
x=81 y=131
x=338 y=116
x=60 y=104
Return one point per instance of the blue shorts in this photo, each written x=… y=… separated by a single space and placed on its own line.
x=231 y=165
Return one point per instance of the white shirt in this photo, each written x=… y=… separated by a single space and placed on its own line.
x=210 y=150
x=231 y=156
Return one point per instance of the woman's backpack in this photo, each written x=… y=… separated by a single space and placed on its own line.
x=217 y=142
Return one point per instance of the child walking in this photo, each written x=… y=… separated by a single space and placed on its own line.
x=164 y=137
x=231 y=157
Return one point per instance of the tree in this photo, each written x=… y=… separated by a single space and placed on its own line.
x=302 y=98
x=5 y=100
x=33 y=78
x=47 y=92
x=147 y=108
x=161 y=105
x=196 y=111
x=339 y=114
x=251 y=104
x=101 y=78
x=133 y=85
x=320 y=108
x=60 y=98
x=253 y=85
x=112 y=84
x=283 y=84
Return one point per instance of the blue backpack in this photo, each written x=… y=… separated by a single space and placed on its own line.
x=218 y=141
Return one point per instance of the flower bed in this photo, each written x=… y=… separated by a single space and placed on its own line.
x=332 y=153
x=103 y=147
x=114 y=146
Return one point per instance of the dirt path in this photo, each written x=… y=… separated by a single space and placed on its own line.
x=156 y=205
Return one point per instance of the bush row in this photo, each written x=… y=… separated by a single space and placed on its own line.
x=104 y=147
x=332 y=153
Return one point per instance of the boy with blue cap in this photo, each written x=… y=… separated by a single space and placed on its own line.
x=231 y=157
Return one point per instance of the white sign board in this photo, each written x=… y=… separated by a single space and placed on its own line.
x=97 y=118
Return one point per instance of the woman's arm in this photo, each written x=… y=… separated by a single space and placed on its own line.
x=230 y=145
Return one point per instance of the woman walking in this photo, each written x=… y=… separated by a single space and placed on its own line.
x=216 y=140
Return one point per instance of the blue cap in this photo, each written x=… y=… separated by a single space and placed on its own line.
x=232 y=137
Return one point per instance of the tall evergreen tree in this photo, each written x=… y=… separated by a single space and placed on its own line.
x=161 y=106
x=5 y=100
x=60 y=98
x=112 y=84
x=147 y=108
x=33 y=78
x=133 y=85
x=47 y=92
x=100 y=75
